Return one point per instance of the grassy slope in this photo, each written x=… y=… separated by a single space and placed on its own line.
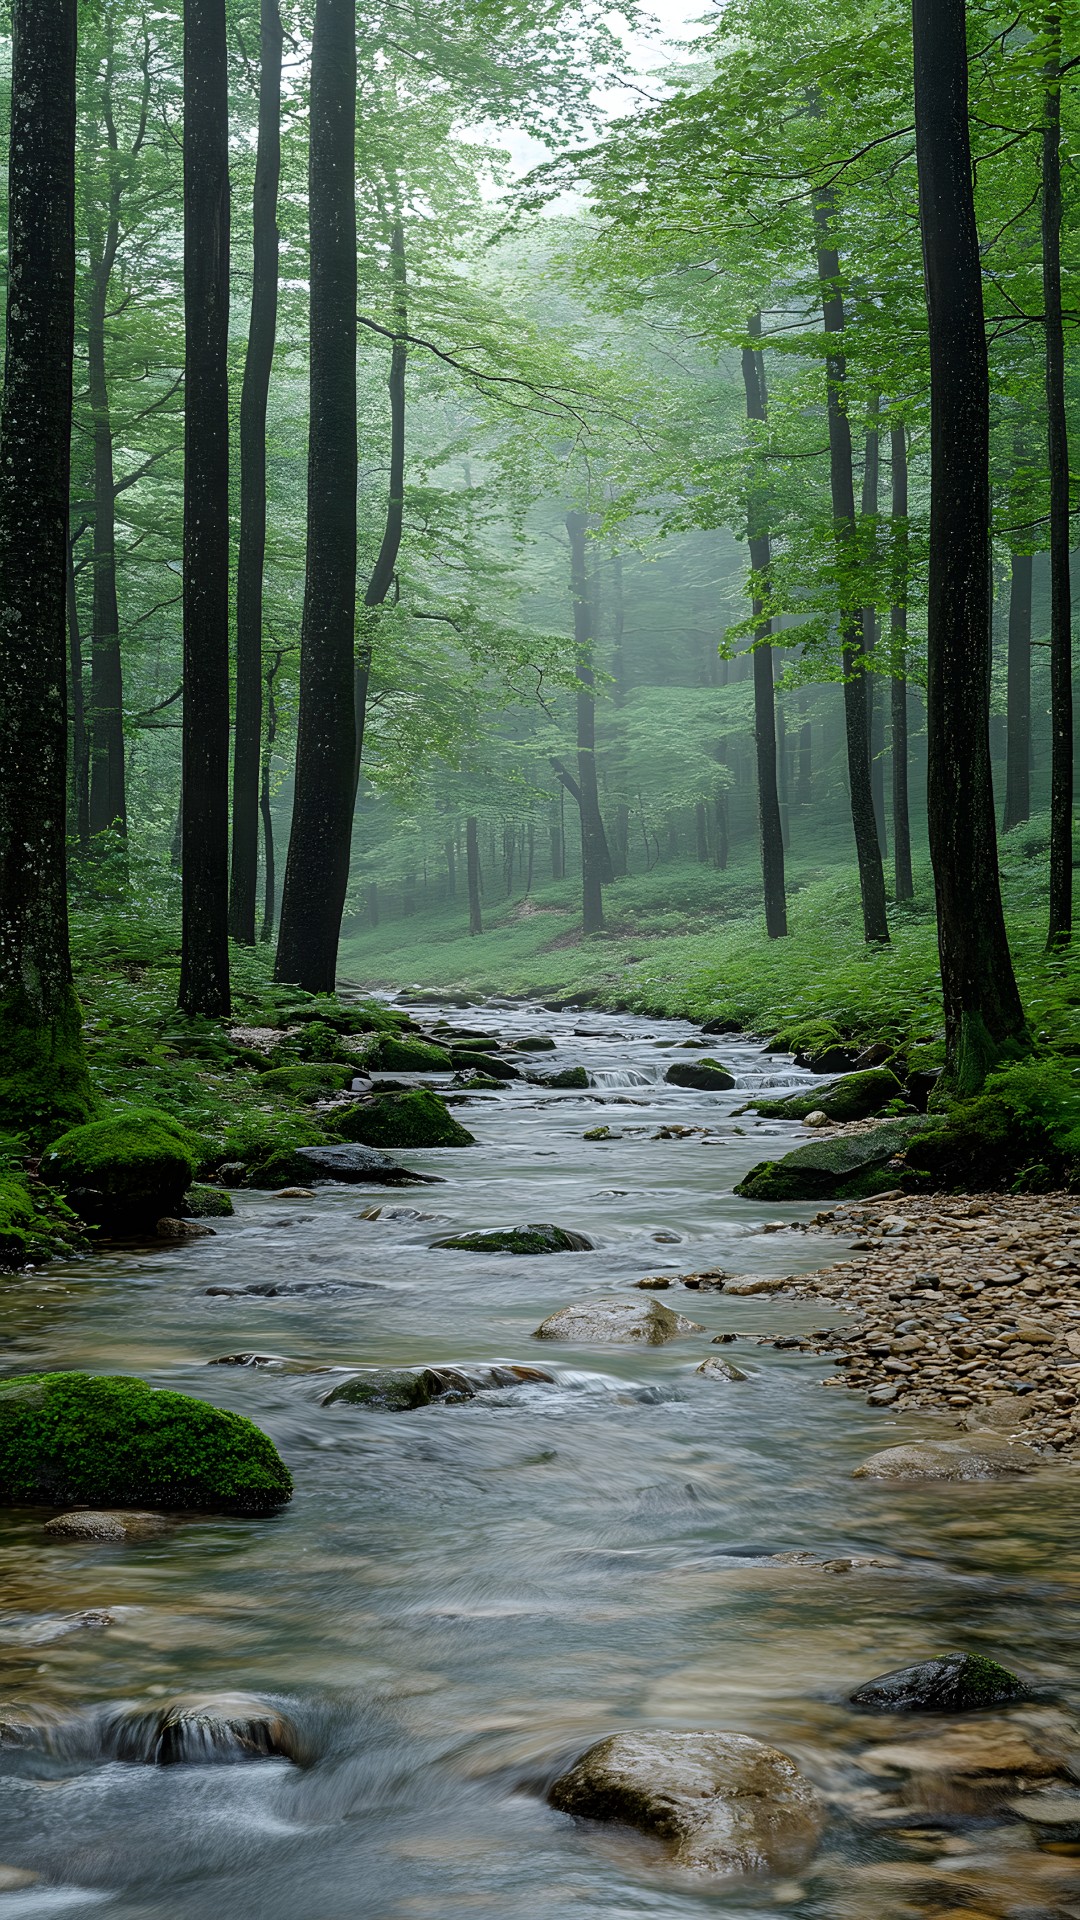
x=703 y=952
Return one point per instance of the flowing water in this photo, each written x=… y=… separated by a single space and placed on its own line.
x=462 y=1598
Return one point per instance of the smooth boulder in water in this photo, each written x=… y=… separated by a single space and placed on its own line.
x=716 y=1369
x=352 y=1163
x=942 y=1460
x=724 y=1802
x=413 y=1117
x=200 y=1730
x=705 y=1076
x=955 y=1683
x=537 y=1237
x=400 y=1390
x=120 y=1524
x=647 y=1322
x=108 y=1441
x=567 y=1080
x=858 y=1096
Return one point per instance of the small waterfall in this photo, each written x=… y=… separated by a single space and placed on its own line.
x=191 y=1730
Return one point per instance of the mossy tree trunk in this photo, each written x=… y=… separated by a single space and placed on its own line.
x=204 y=966
x=1018 y=694
x=771 y=823
x=984 y=1019
x=43 y=1080
x=251 y=559
x=317 y=868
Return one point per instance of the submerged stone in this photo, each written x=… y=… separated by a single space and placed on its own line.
x=647 y=1322
x=110 y=1441
x=537 y=1237
x=724 y=1802
x=934 y=1460
x=956 y=1683
x=200 y=1730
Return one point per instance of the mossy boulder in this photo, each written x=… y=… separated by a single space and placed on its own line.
x=567 y=1080
x=386 y=1389
x=472 y=1059
x=853 y=1167
x=706 y=1076
x=534 y=1043
x=535 y=1238
x=986 y=1144
x=44 y=1084
x=349 y=1161
x=858 y=1096
x=415 y=1117
x=955 y=1683
x=125 y=1172
x=203 y=1202
x=312 y=1080
x=35 y=1224
x=110 y=1441
x=321 y=1044
x=392 y=1055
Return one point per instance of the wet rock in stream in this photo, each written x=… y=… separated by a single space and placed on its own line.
x=109 y=1526
x=724 y=1802
x=946 y=1460
x=537 y=1237
x=352 y=1163
x=401 y=1390
x=956 y=1683
x=716 y=1369
x=704 y=1076
x=647 y=1322
x=190 y=1730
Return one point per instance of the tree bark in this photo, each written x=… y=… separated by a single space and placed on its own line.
x=266 y=767
x=596 y=866
x=317 y=870
x=43 y=1080
x=841 y=478
x=875 y=715
x=1018 y=695
x=204 y=966
x=108 y=798
x=904 y=883
x=984 y=1019
x=472 y=863
x=772 y=831
x=384 y=572
x=1061 y=691
x=251 y=559
x=79 y=755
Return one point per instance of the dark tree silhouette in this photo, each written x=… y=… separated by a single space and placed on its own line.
x=1061 y=689
x=905 y=886
x=984 y=1020
x=43 y=1081
x=772 y=836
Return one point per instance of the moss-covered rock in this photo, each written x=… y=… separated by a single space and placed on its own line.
x=567 y=1080
x=311 y=1080
x=110 y=1441
x=408 y=1056
x=535 y=1238
x=706 y=1076
x=415 y=1117
x=858 y=1096
x=203 y=1202
x=955 y=1683
x=320 y=1043
x=124 y=1172
x=387 y=1389
x=35 y=1224
x=494 y=1065
x=852 y=1167
x=534 y=1043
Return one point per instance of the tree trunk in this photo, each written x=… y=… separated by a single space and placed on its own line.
x=905 y=885
x=472 y=862
x=1061 y=693
x=317 y=871
x=772 y=830
x=43 y=1080
x=875 y=714
x=867 y=845
x=450 y=851
x=595 y=858
x=1018 y=696
x=266 y=767
x=251 y=559
x=384 y=572
x=204 y=965
x=984 y=1020
x=79 y=757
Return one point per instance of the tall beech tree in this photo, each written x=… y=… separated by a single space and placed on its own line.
x=875 y=712
x=596 y=868
x=904 y=885
x=984 y=1019
x=1017 y=806
x=204 y=965
x=317 y=868
x=1061 y=687
x=43 y=1080
x=842 y=487
x=251 y=559
x=757 y=526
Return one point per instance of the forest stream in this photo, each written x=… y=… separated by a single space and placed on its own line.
x=462 y=1598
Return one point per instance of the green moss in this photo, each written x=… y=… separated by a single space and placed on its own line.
x=44 y=1084
x=706 y=1076
x=849 y=1168
x=310 y=1081
x=207 y=1203
x=494 y=1065
x=858 y=1096
x=984 y=1683
x=416 y=1117
x=806 y=1036
x=320 y=1042
x=112 y=1441
x=256 y=1143
x=530 y=1239
x=391 y=1389
x=125 y=1170
x=1022 y=1131
x=408 y=1056
x=569 y=1078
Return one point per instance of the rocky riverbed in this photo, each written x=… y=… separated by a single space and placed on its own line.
x=971 y=1306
